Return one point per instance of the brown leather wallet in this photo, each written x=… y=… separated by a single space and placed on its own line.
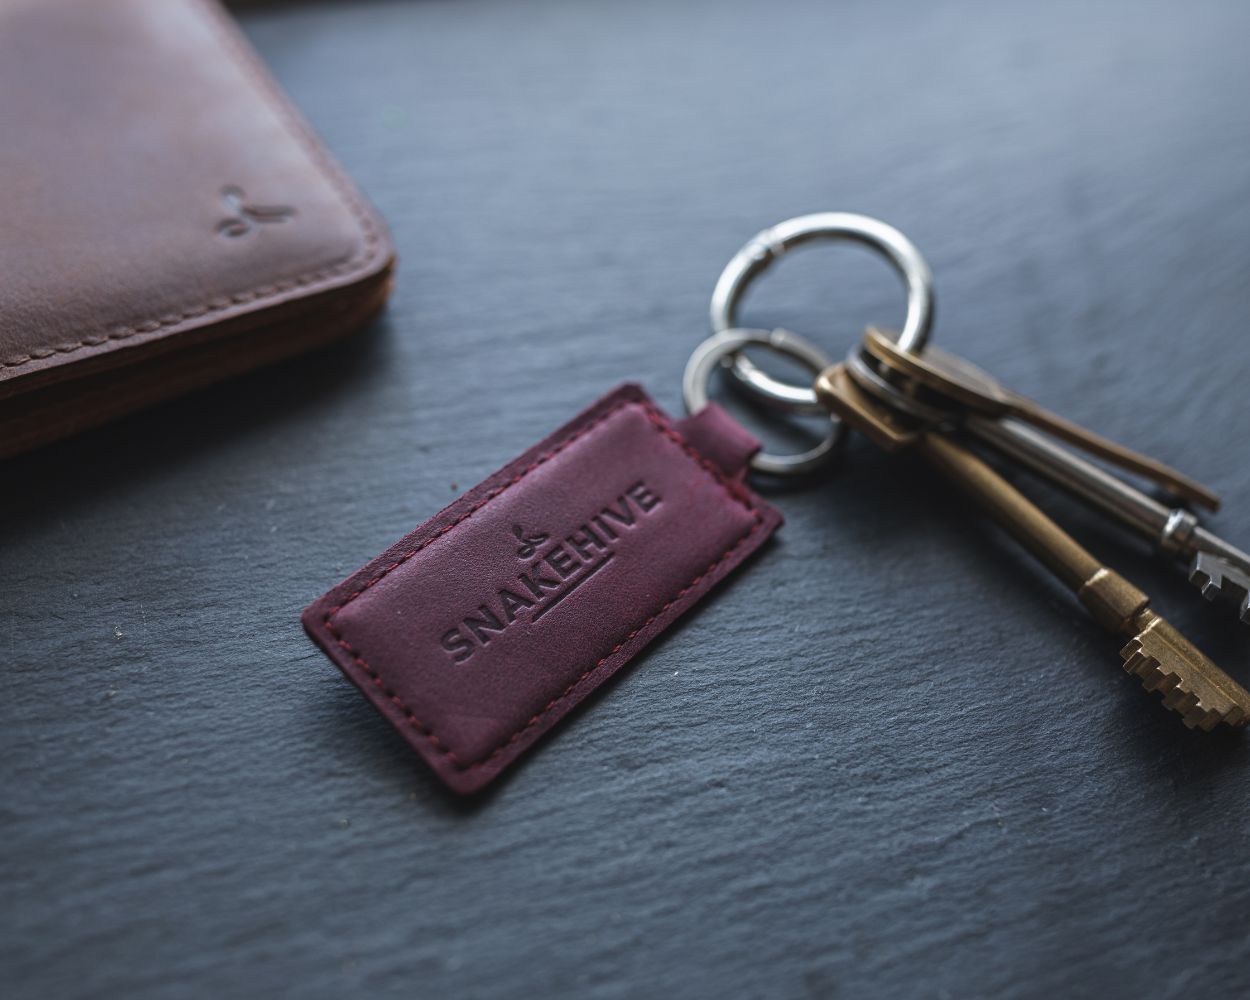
x=166 y=217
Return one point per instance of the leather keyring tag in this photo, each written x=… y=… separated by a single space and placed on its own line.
x=485 y=626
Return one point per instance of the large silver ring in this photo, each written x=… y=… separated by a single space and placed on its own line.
x=709 y=355
x=770 y=244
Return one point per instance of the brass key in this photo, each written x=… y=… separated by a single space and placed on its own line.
x=1156 y=653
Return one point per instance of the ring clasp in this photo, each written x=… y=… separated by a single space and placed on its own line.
x=770 y=244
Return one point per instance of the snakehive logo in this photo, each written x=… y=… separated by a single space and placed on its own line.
x=554 y=570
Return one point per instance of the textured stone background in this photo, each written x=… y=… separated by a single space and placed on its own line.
x=889 y=759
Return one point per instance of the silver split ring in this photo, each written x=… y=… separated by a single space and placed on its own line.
x=710 y=354
x=770 y=244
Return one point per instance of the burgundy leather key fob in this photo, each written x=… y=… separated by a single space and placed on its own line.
x=486 y=625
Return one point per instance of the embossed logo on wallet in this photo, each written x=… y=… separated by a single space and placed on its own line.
x=555 y=574
x=247 y=215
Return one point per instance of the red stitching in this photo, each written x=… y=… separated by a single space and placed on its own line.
x=657 y=420
x=358 y=261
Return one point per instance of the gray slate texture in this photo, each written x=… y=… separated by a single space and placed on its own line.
x=889 y=759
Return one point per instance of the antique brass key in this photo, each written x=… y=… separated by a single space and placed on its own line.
x=1156 y=653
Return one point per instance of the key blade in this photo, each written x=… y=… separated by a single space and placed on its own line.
x=1176 y=483
x=1217 y=578
x=1191 y=684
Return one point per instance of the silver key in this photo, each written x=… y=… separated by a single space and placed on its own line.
x=1218 y=568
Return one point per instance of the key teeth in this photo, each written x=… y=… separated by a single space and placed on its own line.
x=1148 y=669
x=1216 y=578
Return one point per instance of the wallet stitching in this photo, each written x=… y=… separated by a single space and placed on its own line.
x=659 y=423
x=358 y=261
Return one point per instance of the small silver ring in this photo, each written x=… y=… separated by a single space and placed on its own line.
x=710 y=355
x=770 y=244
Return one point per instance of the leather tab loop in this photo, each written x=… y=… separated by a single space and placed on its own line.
x=720 y=438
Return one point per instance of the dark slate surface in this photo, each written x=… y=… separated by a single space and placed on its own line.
x=890 y=759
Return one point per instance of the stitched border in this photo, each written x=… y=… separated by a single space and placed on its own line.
x=287 y=117
x=661 y=425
